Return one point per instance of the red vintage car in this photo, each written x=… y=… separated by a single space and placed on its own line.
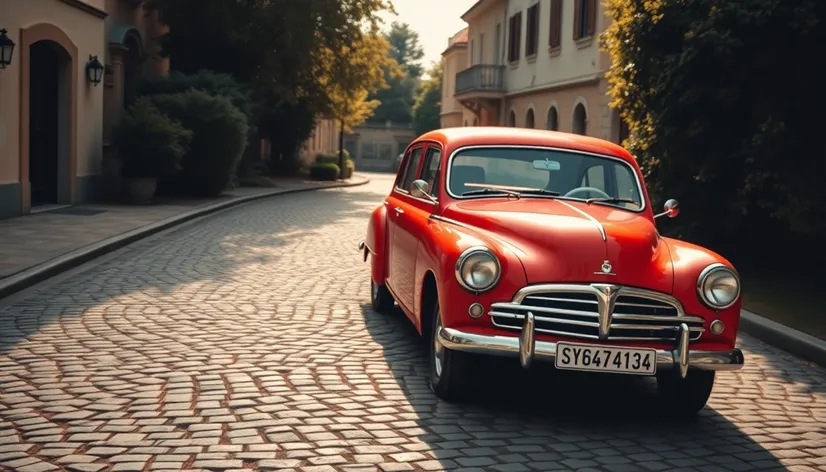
x=542 y=245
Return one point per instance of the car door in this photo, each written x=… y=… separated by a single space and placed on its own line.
x=397 y=205
x=413 y=223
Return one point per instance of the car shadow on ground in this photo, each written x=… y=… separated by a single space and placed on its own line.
x=542 y=419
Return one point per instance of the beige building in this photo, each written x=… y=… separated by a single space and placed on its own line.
x=324 y=140
x=375 y=147
x=537 y=64
x=454 y=60
x=54 y=120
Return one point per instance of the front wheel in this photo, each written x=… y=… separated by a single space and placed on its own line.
x=685 y=396
x=450 y=371
x=380 y=297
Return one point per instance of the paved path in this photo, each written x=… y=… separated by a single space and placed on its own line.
x=245 y=341
x=34 y=239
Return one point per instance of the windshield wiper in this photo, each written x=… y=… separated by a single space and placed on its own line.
x=491 y=190
x=541 y=191
x=610 y=200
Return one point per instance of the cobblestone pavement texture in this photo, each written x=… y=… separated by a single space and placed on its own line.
x=246 y=341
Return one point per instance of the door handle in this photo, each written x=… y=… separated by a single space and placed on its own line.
x=399 y=211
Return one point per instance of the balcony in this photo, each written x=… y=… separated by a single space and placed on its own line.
x=481 y=80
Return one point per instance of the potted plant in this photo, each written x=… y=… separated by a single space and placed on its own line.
x=150 y=145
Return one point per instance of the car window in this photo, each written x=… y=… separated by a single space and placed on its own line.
x=430 y=171
x=564 y=172
x=412 y=169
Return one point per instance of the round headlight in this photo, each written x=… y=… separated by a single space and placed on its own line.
x=718 y=286
x=477 y=269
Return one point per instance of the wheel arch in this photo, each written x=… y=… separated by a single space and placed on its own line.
x=429 y=296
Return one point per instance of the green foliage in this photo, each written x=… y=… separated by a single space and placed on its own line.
x=349 y=165
x=282 y=50
x=428 y=107
x=205 y=80
x=326 y=171
x=398 y=98
x=149 y=142
x=220 y=132
x=714 y=94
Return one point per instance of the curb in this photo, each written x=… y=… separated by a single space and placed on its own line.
x=789 y=339
x=36 y=274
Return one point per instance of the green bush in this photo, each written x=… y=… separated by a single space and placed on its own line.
x=208 y=81
x=219 y=140
x=149 y=142
x=326 y=171
x=349 y=165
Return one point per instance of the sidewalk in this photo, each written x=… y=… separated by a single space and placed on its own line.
x=38 y=246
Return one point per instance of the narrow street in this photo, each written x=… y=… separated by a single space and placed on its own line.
x=246 y=341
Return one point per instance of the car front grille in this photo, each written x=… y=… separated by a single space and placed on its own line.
x=578 y=311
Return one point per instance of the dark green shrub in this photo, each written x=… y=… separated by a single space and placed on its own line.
x=150 y=143
x=327 y=171
x=349 y=165
x=219 y=140
x=206 y=80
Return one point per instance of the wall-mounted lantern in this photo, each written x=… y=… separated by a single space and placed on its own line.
x=94 y=70
x=6 y=49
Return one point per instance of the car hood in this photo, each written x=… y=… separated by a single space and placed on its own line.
x=562 y=241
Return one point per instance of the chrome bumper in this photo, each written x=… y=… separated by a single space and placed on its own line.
x=527 y=348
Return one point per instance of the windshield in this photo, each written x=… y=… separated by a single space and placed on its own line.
x=569 y=174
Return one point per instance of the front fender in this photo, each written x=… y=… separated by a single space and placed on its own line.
x=375 y=243
x=439 y=252
x=688 y=261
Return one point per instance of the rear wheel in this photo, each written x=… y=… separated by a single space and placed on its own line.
x=685 y=396
x=450 y=371
x=380 y=297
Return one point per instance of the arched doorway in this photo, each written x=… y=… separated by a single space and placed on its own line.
x=49 y=140
x=529 y=118
x=580 y=125
x=553 y=119
x=512 y=119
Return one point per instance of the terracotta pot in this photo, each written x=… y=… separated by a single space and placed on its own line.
x=141 y=190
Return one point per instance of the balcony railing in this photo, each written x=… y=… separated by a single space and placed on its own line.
x=481 y=78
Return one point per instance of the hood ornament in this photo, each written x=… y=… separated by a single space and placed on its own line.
x=606 y=269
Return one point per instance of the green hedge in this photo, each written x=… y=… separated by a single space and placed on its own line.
x=149 y=142
x=325 y=171
x=349 y=165
x=220 y=137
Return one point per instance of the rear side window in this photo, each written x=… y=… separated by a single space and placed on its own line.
x=430 y=171
x=412 y=169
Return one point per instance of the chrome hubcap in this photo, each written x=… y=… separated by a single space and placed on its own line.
x=438 y=349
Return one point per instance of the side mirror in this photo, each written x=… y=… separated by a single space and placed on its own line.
x=420 y=189
x=671 y=207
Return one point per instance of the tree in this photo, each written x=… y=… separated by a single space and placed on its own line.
x=276 y=47
x=398 y=97
x=427 y=109
x=712 y=93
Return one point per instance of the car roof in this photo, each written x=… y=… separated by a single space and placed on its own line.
x=453 y=138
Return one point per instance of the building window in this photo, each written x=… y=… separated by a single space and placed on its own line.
x=532 y=31
x=514 y=37
x=472 y=48
x=481 y=48
x=553 y=119
x=368 y=150
x=555 y=29
x=386 y=151
x=585 y=18
x=529 y=119
x=497 y=45
x=512 y=119
x=580 y=119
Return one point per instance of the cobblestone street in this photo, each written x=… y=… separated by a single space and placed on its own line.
x=246 y=341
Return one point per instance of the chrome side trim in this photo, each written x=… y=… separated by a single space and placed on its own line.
x=589 y=217
x=545 y=351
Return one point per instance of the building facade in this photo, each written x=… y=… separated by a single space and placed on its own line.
x=454 y=60
x=54 y=121
x=375 y=146
x=537 y=64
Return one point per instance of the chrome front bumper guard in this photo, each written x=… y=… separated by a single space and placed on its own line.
x=527 y=348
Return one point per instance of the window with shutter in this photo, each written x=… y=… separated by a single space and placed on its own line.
x=532 y=33
x=555 y=29
x=514 y=37
x=585 y=18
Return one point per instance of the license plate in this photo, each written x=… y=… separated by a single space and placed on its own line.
x=593 y=358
